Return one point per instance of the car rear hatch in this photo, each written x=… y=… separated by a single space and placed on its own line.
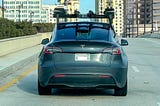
x=82 y=55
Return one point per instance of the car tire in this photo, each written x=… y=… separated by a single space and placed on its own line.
x=121 y=91
x=44 y=90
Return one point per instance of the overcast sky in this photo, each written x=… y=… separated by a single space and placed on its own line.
x=85 y=5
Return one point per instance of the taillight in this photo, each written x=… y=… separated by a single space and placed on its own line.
x=105 y=76
x=107 y=50
x=52 y=50
x=59 y=75
x=116 y=51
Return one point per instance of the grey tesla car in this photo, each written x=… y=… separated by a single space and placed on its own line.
x=83 y=55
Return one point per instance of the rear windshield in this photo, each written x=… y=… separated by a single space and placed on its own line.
x=82 y=33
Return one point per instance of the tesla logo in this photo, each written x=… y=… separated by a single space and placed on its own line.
x=82 y=46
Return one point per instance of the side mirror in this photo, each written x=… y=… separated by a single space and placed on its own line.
x=45 y=41
x=124 y=42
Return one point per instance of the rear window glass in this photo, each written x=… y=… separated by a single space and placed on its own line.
x=99 y=34
x=82 y=33
x=66 y=34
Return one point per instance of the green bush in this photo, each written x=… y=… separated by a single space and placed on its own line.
x=10 y=29
x=44 y=27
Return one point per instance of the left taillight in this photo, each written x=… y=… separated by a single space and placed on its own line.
x=52 y=50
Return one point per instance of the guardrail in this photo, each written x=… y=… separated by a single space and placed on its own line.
x=18 y=43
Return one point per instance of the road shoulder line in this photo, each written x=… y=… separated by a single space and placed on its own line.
x=15 y=80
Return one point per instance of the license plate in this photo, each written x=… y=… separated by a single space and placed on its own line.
x=82 y=57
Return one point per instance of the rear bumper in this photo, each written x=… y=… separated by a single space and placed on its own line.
x=81 y=81
x=48 y=76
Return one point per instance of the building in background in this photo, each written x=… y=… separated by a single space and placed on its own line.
x=101 y=5
x=71 y=6
x=62 y=1
x=23 y=10
x=30 y=10
x=156 y=14
x=131 y=17
x=118 y=21
x=136 y=16
x=47 y=13
x=148 y=13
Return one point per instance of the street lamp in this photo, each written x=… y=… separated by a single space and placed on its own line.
x=19 y=10
x=132 y=21
x=152 y=17
x=3 y=8
x=136 y=2
x=31 y=15
x=145 y=15
x=129 y=22
x=125 y=19
x=101 y=9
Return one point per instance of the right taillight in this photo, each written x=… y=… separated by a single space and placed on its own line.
x=116 y=51
x=52 y=50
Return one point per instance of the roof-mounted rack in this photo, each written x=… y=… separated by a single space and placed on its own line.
x=61 y=13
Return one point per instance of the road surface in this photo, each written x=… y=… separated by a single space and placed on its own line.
x=20 y=89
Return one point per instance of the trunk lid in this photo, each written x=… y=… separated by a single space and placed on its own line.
x=82 y=55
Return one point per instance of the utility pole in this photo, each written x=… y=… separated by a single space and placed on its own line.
x=19 y=13
x=19 y=10
x=152 y=17
x=137 y=17
x=101 y=9
x=145 y=15
x=129 y=28
x=133 y=22
x=3 y=9
x=31 y=15
x=125 y=23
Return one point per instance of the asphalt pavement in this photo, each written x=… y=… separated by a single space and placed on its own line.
x=143 y=87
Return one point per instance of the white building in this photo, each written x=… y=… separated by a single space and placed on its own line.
x=71 y=6
x=23 y=10
x=118 y=21
x=47 y=13
x=101 y=5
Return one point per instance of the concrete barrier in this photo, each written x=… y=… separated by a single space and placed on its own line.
x=153 y=35
x=18 y=65
x=15 y=44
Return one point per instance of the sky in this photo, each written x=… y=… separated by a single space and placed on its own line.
x=85 y=5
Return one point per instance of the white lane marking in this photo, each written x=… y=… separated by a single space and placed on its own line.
x=158 y=104
x=135 y=69
x=151 y=41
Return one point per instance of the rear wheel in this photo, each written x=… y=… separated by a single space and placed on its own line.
x=44 y=90
x=121 y=91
